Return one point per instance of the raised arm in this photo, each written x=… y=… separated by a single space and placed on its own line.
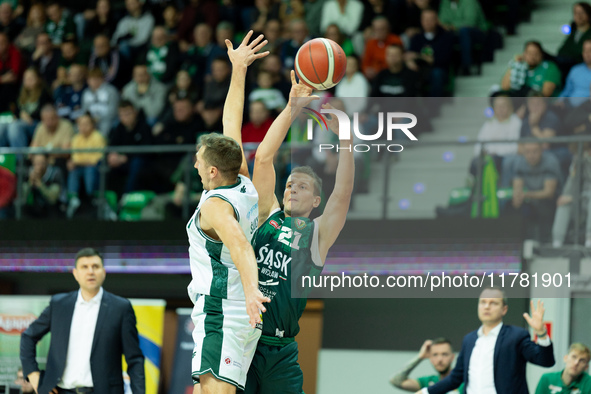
x=401 y=379
x=333 y=219
x=218 y=215
x=241 y=58
x=264 y=173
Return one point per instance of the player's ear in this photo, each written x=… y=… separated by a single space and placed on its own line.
x=317 y=201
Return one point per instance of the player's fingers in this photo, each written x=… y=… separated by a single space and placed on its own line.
x=247 y=38
x=256 y=41
x=261 y=307
x=229 y=44
x=260 y=46
x=293 y=78
x=260 y=55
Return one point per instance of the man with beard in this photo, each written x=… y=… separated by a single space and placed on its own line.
x=441 y=355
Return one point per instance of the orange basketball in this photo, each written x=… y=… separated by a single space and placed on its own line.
x=320 y=63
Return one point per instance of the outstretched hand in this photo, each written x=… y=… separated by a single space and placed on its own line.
x=246 y=53
x=300 y=92
x=536 y=320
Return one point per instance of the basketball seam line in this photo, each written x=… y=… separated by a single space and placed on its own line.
x=313 y=67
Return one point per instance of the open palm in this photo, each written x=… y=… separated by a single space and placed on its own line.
x=536 y=320
x=246 y=53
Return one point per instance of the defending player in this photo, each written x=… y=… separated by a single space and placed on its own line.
x=224 y=288
x=288 y=236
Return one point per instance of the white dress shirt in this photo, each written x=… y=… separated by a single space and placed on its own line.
x=77 y=371
x=481 y=376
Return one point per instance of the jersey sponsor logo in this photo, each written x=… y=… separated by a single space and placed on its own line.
x=300 y=224
x=268 y=282
x=273 y=259
x=274 y=224
x=555 y=389
x=243 y=189
x=279 y=334
x=227 y=360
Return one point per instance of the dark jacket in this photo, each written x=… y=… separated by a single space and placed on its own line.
x=513 y=350
x=115 y=334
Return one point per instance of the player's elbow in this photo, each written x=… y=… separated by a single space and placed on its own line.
x=262 y=157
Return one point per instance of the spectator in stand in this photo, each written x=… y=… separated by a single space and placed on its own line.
x=196 y=12
x=60 y=26
x=265 y=92
x=412 y=22
x=68 y=98
x=396 y=80
x=260 y=121
x=431 y=51
x=171 y=22
x=313 y=15
x=8 y=24
x=504 y=125
x=578 y=81
x=109 y=61
x=53 y=133
x=35 y=25
x=182 y=128
x=570 y=51
x=565 y=201
x=292 y=10
x=217 y=87
x=273 y=35
x=466 y=19
x=536 y=181
x=197 y=60
x=346 y=14
x=531 y=72
x=212 y=121
x=145 y=93
x=46 y=58
x=32 y=97
x=183 y=88
x=162 y=57
x=71 y=54
x=256 y=17
x=83 y=166
x=374 y=58
x=272 y=64
x=541 y=122
x=103 y=22
x=101 y=100
x=133 y=31
x=11 y=66
x=126 y=169
x=354 y=84
x=334 y=33
x=224 y=31
x=298 y=35
x=41 y=194
x=392 y=10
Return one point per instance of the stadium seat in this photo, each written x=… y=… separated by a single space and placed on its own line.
x=459 y=195
x=133 y=203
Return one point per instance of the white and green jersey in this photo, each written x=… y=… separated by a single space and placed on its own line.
x=214 y=273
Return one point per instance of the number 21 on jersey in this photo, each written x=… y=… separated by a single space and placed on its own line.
x=287 y=236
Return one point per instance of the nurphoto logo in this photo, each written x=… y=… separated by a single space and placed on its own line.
x=393 y=120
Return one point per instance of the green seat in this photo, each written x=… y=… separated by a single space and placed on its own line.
x=111 y=198
x=8 y=161
x=133 y=203
x=459 y=195
x=505 y=193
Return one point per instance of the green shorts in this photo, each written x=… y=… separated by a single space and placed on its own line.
x=275 y=370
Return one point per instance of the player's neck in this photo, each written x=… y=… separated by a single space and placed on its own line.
x=223 y=183
x=567 y=379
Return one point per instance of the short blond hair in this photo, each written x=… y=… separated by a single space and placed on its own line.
x=223 y=153
x=580 y=348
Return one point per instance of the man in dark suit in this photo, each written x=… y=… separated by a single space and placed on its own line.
x=90 y=330
x=493 y=358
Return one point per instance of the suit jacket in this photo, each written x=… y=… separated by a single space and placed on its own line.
x=513 y=350
x=115 y=334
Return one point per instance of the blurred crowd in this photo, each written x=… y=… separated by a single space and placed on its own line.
x=97 y=73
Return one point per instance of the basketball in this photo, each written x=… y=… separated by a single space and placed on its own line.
x=320 y=63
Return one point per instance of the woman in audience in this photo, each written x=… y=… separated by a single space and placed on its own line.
x=33 y=96
x=570 y=52
x=35 y=25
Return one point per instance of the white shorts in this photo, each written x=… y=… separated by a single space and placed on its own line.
x=225 y=342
